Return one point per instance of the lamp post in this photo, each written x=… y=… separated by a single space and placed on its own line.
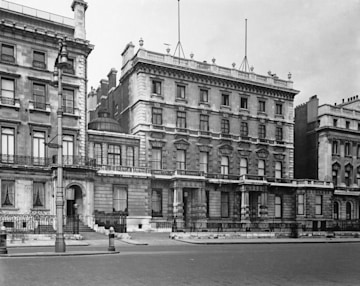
x=60 y=64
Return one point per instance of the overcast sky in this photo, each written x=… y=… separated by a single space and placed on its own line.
x=318 y=41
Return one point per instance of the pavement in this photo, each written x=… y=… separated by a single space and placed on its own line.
x=150 y=239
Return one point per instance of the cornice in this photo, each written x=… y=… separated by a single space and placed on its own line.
x=220 y=81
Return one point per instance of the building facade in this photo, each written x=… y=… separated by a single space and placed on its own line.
x=327 y=142
x=216 y=143
x=29 y=42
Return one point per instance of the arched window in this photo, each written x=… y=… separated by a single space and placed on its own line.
x=348 y=175
x=243 y=166
x=348 y=211
x=336 y=210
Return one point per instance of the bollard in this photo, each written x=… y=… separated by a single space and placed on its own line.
x=111 y=239
x=3 y=249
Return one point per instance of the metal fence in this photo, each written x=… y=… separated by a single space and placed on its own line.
x=117 y=220
x=28 y=223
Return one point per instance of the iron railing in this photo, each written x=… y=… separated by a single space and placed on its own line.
x=28 y=223
x=117 y=220
x=24 y=160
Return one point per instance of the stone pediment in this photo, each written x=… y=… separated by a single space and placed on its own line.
x=157 y=144
x=244 y=153
x=205 y=148
x=181 y=144
x=279 y=157
x=226 y=149
x=262 y=153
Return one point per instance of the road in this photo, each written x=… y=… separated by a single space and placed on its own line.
x=266 y=264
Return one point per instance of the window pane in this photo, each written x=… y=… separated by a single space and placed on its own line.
x=224 y=204
x=7 y=193
x=38 y=194
x=119 y=199
x=156 y=202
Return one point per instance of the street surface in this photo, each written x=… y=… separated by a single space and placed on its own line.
x=188 y=264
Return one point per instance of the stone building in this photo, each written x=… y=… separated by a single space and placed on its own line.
x=217 y=142
x=327 y=147
x=29 y=43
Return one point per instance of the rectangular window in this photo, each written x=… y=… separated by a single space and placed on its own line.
x=98 y=154
x=38 y=195
x=70 y=69
x=318 y=205
x=261 y=168
x=335 y=147
x=68 y=149
x=225 y=126
x=130 y=160
x=7 y=145
x=262 y=106
x=156 y=87
x=335 y=122
x=207 y=194
x=181 y=160
x=347 y=124
x=39 y=148
x=120 y=199
x=204 y=95
x=181 y=119
x=7 y=193
x=347 y=149
x=244 y=103
x=7 y=91
x=156 y=116
x=278 y=109
x=114 y=155
x=243 y=166
x=225 y=99
x=204 y=122
x=300 y=205
x=262 y=131
x=224 y=165
x=156 y=163
x=347 y=178
x=68 y=101
x=204 y=161
x=244 y=129
x=278 y=170
x=39 y=60
x=39 y=95
x=279 y=134
x=180 y=92
x=156 y=202
x=278 y=207
x=225 y=204
x=8 y=53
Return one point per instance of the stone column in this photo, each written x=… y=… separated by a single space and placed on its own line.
x=178 y=202
x=245 y=211
x=264 y=205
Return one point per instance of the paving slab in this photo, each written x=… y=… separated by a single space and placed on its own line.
x=67 y=253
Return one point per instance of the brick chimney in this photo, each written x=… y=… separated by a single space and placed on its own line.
x=128 y=53
x=112 y=78
x=79 y=7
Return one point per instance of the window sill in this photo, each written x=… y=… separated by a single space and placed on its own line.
x=225 y=107
x=39 y=209
x=244 y=110
x=262 y=113
x=15 y=106
x=9 y=209
x=183 y=100
x=157 y=95
x=204 y=104
x=279 y=116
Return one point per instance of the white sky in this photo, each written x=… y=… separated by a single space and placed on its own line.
x=318 y=41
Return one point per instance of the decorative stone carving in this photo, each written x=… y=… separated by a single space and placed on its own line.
x=226 y=149
x=244 y=153
x=205 y=148
x=181 y=144
x=157 y=144
x=262 y=153
x=279 y=157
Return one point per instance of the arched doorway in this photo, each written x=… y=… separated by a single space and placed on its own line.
x=74 y=201
x=336 y=210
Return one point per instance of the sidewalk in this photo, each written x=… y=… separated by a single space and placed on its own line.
x=152 y=239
